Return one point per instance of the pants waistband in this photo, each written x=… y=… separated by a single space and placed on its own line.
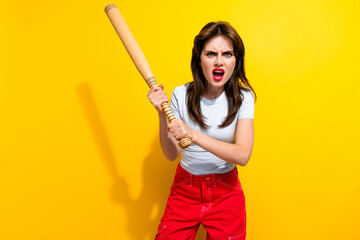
x=204 y=178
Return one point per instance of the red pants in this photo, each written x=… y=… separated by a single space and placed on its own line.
x=216 y=201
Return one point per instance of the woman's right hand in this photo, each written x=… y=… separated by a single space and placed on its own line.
x=157 y=96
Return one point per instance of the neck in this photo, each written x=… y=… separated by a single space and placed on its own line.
x=213 y=93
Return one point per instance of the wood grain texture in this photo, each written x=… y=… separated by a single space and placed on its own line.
x=138 y=58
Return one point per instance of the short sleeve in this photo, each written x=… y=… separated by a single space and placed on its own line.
x=174 y=104
x=247 y=107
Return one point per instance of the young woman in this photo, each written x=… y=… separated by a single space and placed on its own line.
x=216 y=111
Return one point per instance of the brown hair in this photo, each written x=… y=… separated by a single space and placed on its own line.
x=233 y=88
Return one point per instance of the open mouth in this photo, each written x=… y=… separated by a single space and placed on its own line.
x=218 y=74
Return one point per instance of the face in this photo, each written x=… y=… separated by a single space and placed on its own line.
x=217 y=61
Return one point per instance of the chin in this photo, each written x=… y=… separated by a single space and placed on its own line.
x=218 y=84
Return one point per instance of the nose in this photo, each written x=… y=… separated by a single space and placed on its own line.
x=218 y=61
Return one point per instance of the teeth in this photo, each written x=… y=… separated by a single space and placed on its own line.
x=218 y=72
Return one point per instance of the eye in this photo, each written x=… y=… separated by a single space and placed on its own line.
x=210 y=54
x=228 y=54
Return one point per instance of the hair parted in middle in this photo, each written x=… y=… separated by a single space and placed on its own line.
x=233 y=88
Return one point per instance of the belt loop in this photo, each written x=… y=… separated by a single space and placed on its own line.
x=214 y=180
x=191 y=180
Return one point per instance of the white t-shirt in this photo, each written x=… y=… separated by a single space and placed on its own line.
x=195 y=159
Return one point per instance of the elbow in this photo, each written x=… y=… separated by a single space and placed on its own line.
x=243 y=160
x=242 y=155
x=171 y=154
x=171 y=158
x=243 y=164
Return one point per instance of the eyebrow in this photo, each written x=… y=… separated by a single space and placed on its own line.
x=227 y=51
x=216 y=51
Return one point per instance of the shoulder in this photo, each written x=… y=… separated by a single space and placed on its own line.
x=180 y=90
x=248 y=95
x=248 y=104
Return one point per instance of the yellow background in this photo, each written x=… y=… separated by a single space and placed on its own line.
x=79 y=149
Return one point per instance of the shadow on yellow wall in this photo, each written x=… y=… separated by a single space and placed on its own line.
x=145 y=212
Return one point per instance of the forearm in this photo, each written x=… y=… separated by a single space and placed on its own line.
x=168 y=143
x=234 y=153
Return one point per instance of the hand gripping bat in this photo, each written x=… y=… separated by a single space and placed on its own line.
x=139 y=59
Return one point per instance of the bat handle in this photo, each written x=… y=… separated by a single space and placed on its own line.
x=184 y=142
x=151 y=82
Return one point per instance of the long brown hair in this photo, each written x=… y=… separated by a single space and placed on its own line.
x=233 y=88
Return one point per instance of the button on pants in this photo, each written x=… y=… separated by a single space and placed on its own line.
x=216 y=201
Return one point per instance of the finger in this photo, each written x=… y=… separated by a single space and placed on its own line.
x=175 y=135
x=157 y=95
x=176 y=131
x=154 y=89
x=157 y=88
x=161 y=96
x=179 y=135
x=172 y=124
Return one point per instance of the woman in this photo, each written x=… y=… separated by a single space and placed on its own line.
x=216 y=111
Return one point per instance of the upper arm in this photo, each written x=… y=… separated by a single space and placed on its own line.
x=245 y=134
x=245 y=123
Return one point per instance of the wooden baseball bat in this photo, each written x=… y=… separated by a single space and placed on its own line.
x=139 y=59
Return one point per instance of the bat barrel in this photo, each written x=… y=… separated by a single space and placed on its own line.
x=109 y=6
x=138 y=58
x=129 y=41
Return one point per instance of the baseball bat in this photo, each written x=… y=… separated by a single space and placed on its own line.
x=139 y=59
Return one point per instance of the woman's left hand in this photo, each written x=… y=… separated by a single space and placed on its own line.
x=180 y=130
